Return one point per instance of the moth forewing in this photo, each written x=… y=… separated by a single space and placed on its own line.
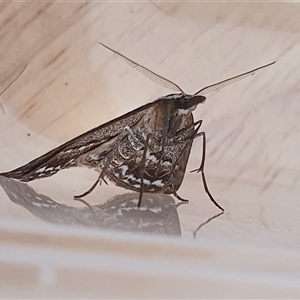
x=145 y=150
x=70 y=153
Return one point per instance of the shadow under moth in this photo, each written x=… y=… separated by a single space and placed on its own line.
x=145 y=150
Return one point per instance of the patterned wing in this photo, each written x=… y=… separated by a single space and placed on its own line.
x=69 y=154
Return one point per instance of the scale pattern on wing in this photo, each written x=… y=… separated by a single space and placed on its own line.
x=163 y=163
x=68 y=154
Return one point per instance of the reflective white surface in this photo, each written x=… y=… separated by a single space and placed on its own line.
x=72 y=84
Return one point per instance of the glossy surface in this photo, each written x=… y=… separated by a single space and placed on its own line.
x=53 y=246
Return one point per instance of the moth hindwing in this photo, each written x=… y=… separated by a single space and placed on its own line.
x=145 y=150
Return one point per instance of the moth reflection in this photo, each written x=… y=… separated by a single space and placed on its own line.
x=158 y=214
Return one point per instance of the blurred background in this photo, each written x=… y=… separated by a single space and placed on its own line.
x=52 y=246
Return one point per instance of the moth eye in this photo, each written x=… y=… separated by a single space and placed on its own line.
x=188 y=101
x=182 y=103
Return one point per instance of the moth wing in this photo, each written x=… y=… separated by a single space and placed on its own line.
x=181 y=165
x=99 y=139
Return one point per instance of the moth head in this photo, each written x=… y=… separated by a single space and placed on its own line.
x=189 y=101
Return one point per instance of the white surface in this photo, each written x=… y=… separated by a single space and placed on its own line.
x=72 y=84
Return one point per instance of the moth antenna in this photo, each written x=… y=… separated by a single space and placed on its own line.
x=164 y=82
x=10 y=85
x=219 y=85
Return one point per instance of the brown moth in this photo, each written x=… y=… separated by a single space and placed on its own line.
x=145 y=150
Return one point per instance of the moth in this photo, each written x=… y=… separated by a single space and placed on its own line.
x=145 y=150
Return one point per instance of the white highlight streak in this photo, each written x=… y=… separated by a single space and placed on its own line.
x=41 y=170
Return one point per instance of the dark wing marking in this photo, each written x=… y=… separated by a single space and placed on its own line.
x=164 y=82
x=11 y=84
x=219 y=85
x=69 y=154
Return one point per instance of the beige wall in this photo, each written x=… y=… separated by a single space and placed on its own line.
x=72 y=84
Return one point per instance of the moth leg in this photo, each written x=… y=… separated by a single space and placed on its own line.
x=179 y=198
x=206 y=222
x=201 y=169
x=86 y=204
x=137 y=144
x=183 y=130
x=100 y=177
x=180 y=203
x=142 y=167
x=194 y=135
x=91 y=188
